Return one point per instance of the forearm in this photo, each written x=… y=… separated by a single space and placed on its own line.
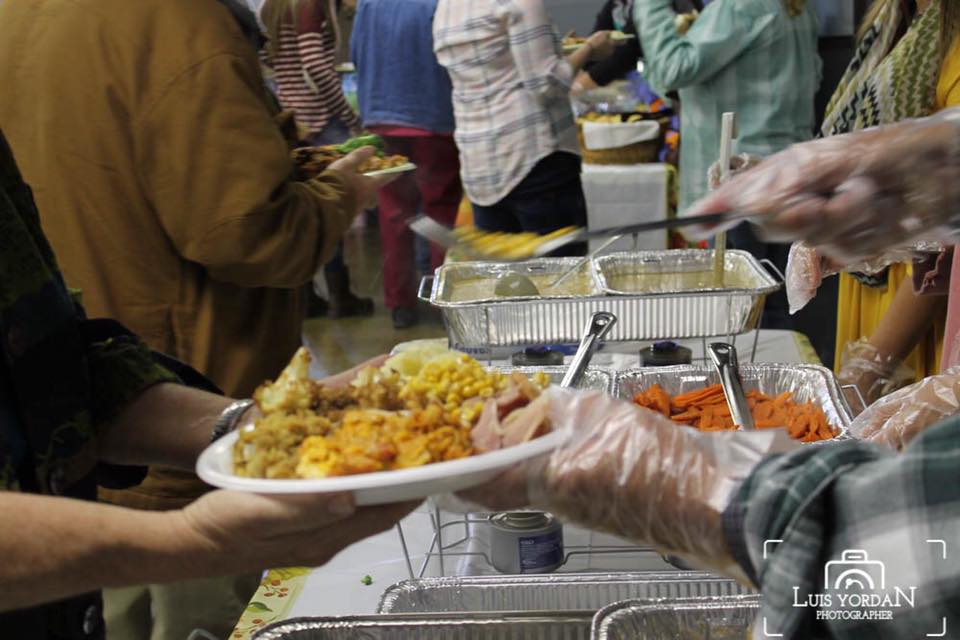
x=907 y=319
x=167 y=424
x=580 y=57
x=58 y=547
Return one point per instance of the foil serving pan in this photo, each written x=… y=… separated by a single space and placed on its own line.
x=559 y=625
x=681 y=271
x=577 y=591
x=717 y=618
x=806 y=382
x=594 y=379
x=517 y=322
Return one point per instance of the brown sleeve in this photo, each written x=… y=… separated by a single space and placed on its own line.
x=218 y=172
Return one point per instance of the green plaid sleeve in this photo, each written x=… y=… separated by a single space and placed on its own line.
x=851 y=541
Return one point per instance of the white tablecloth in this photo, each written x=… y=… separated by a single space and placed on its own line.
x=618 y=195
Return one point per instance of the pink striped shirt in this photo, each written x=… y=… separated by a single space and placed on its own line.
x=308 y=51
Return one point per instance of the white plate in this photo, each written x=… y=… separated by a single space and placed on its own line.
x=346 y=67
x=403 y=168
x=215 y=466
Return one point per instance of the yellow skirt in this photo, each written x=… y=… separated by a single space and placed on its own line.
x=860 y=309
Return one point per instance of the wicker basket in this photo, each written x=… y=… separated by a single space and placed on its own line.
x=636 y=153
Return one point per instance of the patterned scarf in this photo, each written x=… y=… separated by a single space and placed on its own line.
x=889 y=81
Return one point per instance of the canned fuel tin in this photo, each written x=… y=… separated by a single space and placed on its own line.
x=526 y=542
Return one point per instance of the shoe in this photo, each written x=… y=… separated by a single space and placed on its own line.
x=343 y=304
x=317 y=307
x=404 y=318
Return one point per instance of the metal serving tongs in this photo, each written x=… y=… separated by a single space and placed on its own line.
x=597 y=328
x=448 y=239
x=724 y=356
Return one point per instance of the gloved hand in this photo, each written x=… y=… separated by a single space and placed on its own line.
x=898 y=418
x=636 y=474
x=738 y=164
x=856 y=195
x=807 y=268
x=874 y=373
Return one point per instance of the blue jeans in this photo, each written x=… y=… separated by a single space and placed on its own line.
x=550 y=197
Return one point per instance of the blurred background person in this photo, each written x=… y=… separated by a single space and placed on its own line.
x=907 y=65
x=164 y=184
x=302 y=41
x=617 y=15
x=406 y=99
x=519 y=155
x=756 y=58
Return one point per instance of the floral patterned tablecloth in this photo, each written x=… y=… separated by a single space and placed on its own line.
x=274 y=598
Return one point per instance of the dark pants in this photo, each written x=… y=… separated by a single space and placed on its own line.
x=433 y=188
x=334 y=133
x=550 y=197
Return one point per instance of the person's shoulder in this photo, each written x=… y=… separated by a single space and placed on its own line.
x=185 y=30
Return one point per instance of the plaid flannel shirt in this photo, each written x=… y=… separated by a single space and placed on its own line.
x=510 y=90
x=832 y=519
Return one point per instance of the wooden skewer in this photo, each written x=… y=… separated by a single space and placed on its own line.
x=727 y=125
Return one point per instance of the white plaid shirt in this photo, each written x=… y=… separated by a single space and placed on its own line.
x=510 y=90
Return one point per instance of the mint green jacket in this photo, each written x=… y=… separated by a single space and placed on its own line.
x=745 y=56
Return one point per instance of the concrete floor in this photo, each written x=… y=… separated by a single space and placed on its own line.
x=340 y=344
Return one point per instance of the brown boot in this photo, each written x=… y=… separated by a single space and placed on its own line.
x=343 y=304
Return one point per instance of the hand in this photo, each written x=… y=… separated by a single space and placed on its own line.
x=601 y=45
x=633 y=473
x=854 y=196
x=874 y=373
x=237 y=532
x=363 y=186
x=342 y=379
x=738 y=164
x=583 y=82
x=895 y=420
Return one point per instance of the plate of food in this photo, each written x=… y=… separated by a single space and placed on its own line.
x=572 y=43
x=312 y=161
x=429 y=421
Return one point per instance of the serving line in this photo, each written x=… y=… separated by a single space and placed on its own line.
x=337 y=587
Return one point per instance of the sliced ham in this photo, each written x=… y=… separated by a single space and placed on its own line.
x=487 y=434
x=527 y=423
x=509 y=400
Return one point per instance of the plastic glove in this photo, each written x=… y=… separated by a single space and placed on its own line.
x=738 y=164
x=636 y=474
x=855 y=196
x=898 y=418
x=807 y=268
x=874 y=373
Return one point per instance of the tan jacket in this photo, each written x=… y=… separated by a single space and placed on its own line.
x=162 y=181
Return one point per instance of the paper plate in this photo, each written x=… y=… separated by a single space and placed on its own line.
x=403 y=168
x=215 y=466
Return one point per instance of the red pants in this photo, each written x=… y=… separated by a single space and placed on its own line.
x=435 y=189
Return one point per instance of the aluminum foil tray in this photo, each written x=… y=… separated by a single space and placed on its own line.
x=518 y=322
x=561 y=625
x=718 y=618
x=583 y=591
x=806 y=382
x=743 y=273
x=594 y=379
